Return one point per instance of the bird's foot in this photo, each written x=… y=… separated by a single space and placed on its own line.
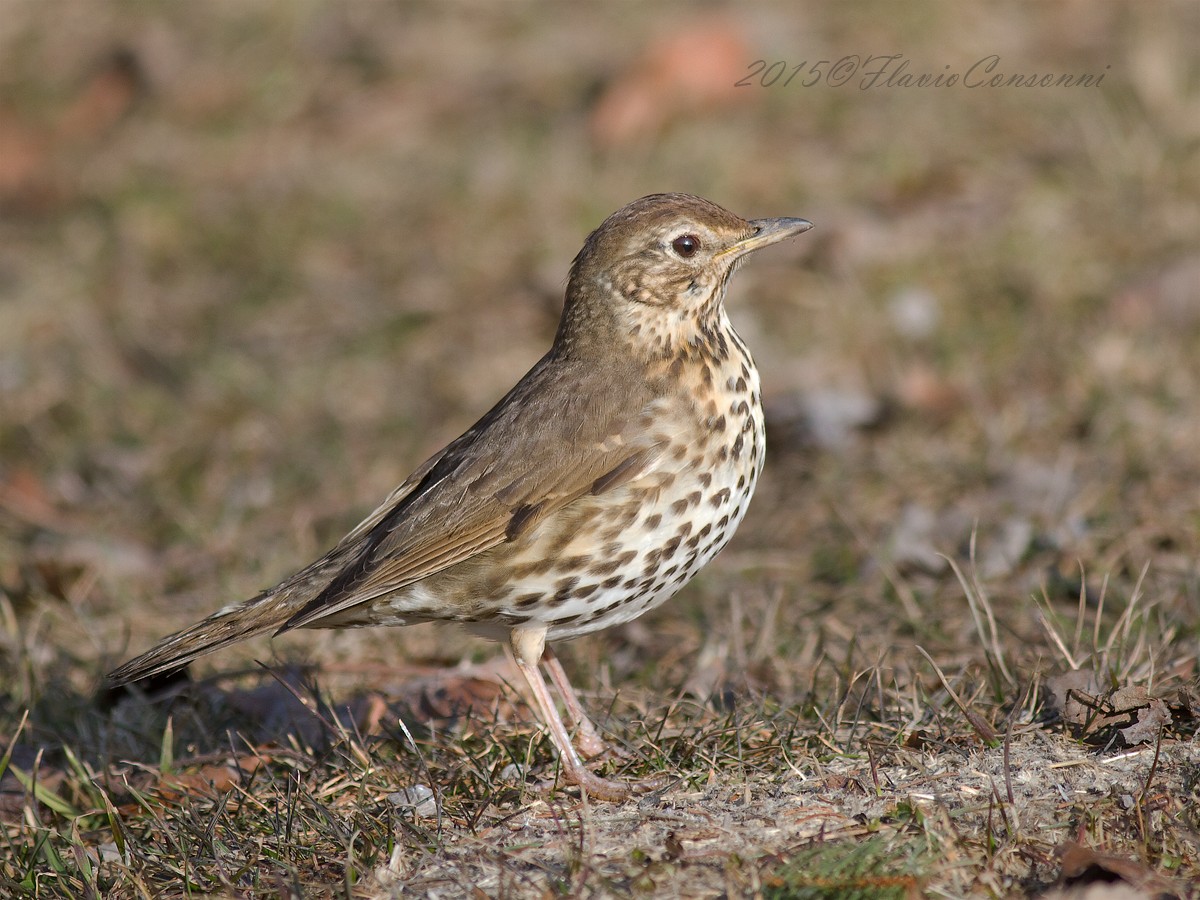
x=608 y=789
x=595 y=748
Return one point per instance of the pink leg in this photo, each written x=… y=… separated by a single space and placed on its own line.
x=587 y=736
x=527 y=645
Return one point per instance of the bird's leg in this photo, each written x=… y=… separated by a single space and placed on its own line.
x=587 y=735
x=527 y=646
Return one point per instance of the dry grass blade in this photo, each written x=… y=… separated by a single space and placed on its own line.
x=980 y=606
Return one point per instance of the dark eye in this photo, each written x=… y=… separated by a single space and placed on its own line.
x=686 y=245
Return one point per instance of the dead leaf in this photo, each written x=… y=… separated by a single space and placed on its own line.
x=1151 y=720
x=35 y=172
x=24 y=161
x=923 y=391
x=1094 y=715
x=210 y=780
x=1062 y=692
x=689 y=71
x=106 y=97
x=1084 y=867
x=451 y=696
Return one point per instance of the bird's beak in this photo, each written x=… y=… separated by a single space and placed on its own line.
x=767 y=232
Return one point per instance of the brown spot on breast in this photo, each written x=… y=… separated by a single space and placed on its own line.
x=527 y=600
x=498 y=586
x=720 y=497
x=653 y=521
x=679 y=507
x=563 y=536
x=572 y=563
x=532 y=569
x=563 y=593
x=607 y=568
x=693 y=498
x=610 y=607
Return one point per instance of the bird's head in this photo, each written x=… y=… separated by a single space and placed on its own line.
x=658 y=267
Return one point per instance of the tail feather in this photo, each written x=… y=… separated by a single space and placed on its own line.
x=269 y=611
x=230 y=625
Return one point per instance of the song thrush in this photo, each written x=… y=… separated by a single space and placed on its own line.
x=592 y=492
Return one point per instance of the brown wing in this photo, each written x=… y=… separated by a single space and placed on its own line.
x=555 y=437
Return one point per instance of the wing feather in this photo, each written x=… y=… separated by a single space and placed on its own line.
x=521 y=463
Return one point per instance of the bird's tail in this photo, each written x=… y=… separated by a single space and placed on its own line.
x=271 y=610
x=230 y=625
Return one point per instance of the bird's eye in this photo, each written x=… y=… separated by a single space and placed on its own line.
x=686 y=245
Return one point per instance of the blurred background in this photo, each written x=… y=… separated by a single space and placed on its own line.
x=258 y=260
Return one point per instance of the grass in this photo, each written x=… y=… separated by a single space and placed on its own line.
x=249 y=280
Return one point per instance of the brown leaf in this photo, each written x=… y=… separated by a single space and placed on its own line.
x=1063 y=692
x=1129 y=697
x=923 y=391
x=104 y=100
x=210 y=780
x=451 y=696
x=1083 y=866
x=1151 y=720
x=24 y=161
x=691 y=70
x=1094 y=715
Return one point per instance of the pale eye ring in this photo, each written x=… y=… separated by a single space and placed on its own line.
x=686 y=245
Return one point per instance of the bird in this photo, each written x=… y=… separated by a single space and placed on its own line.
x=594 y=490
